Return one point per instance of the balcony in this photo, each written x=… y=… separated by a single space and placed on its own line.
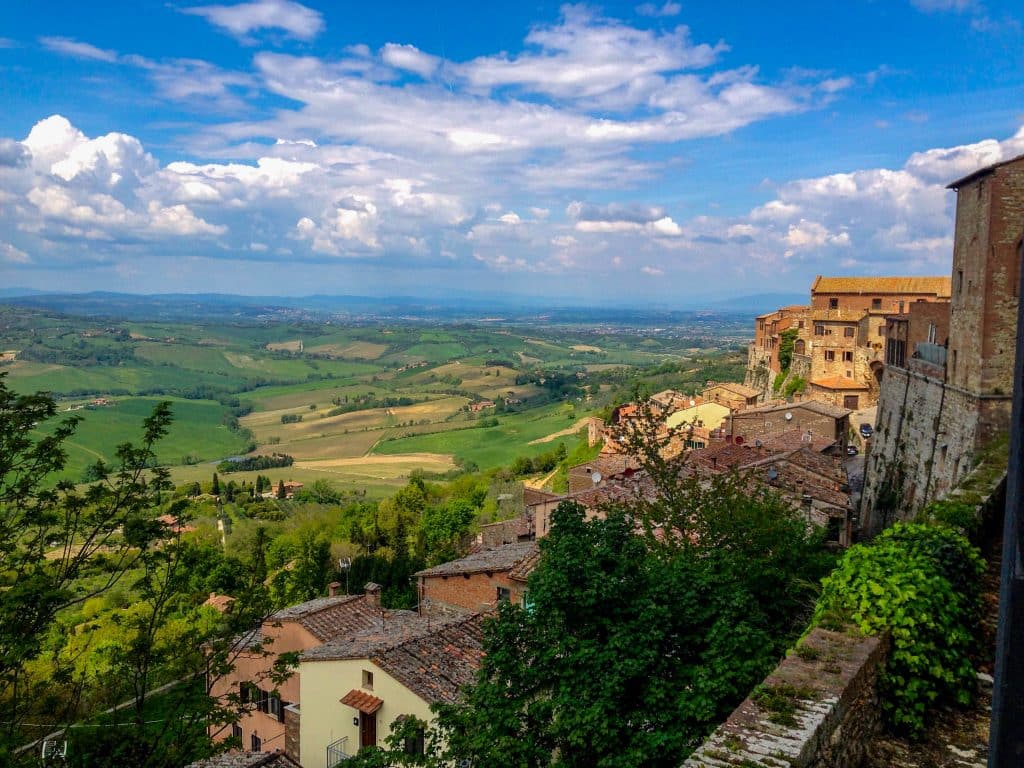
x=337 y=752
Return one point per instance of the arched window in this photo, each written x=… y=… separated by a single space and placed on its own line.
x=799 y=346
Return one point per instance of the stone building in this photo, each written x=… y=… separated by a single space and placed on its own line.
x=942 y=401
x=733 y=396
x=295 y=628
x=823 y=424
x=477 y=582
x=839 y=347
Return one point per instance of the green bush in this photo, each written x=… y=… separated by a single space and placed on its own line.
x=919 y=584
x=795 y=385
x=956 y=514
x=779 y=378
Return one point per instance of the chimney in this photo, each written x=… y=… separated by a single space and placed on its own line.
x=334 y=589
x=372 y=591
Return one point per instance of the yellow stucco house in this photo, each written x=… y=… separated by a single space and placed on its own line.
x=354 y=689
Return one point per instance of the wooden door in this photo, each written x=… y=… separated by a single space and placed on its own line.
x=367 y=730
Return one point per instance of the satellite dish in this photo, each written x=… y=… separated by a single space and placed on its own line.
x=596 y=477
x=789 y=415
x=772 y=475
x=692 y=403
x=758 y=444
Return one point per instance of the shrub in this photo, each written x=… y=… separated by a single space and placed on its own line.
x=919 y=584
x=956 y=514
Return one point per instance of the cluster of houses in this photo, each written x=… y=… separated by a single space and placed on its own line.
x=938 y=348
x=363 y=667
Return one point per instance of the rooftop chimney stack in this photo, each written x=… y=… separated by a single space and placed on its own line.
x=334 y=589
x=372 y=591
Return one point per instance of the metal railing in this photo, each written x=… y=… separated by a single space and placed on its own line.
x=337 y=752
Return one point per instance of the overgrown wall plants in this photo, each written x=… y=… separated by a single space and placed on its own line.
x=919 y=584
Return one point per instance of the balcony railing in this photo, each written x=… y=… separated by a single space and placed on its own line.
x=337 y=752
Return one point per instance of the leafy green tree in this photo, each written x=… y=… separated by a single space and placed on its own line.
x=50 y=535
x=215 y=488
x=444 y=529
x=643 y=631
x=281 y=492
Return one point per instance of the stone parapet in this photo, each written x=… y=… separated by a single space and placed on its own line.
x=818 y=709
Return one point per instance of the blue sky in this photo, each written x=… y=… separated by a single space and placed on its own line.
x=622 y=153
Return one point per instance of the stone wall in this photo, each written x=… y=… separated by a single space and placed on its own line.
x=465 y=593
x=927 y=435
x=830 y=685
x=292 y=720
x=759 y=374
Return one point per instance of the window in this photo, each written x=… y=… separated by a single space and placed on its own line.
x=881 y=330
x=848 y=332
x=959 y=281
x=847 y=357
x=236 y=733
x=876 y=303
x=275 y=707
x=255 y=743
x=243 y=692
x=833 y=303
x=263 y=700
x=830 y=354
x=799 y=323
x=504 y=594
x=414 y=744
x=819 y=330
x=799 y=347
x=367 y=679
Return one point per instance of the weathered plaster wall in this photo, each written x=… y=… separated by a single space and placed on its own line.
x=837 y=710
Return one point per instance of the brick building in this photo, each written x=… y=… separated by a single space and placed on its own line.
x=733 y=396
x=839 y=347
x=941 y=403
x=820 y=421
x=356 y=688
x=296 y=628
x=476 y=582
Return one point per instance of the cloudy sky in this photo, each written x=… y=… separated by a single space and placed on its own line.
x=620 y=153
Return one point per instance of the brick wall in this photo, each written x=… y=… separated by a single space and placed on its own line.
x=465 y=593
x=837 y=710
x=291 y=732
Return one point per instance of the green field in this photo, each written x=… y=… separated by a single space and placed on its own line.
x=196 y=432
x=493 y=446
x=212 y=370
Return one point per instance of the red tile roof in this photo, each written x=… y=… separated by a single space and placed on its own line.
x=365 y=702
x=838 y=382
x=328 y=617
x=936 y=286
x=502 y=558
x=437 y=665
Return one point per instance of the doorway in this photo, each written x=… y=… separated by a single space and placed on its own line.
x=367 y=730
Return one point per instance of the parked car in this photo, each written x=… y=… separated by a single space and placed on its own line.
x=866 y=431
x=852 y=450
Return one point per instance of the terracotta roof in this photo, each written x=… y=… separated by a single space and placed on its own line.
x=725 y=456
x=328 y=617
x=982 y=172
x=739 y=389
x=815 y=406
x=936 y=286
x=363 y=701
x=607 y=464
x=246 y=760
x=534 y=496
x=522 y=570
x=501 y=558
x=221 y=603
x=437 y=665
x=794 y=439
x=391 y=628
x=838 y=382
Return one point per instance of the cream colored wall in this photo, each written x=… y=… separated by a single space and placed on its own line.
x=325 y=719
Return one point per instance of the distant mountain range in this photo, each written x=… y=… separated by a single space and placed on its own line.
x=181 y=306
